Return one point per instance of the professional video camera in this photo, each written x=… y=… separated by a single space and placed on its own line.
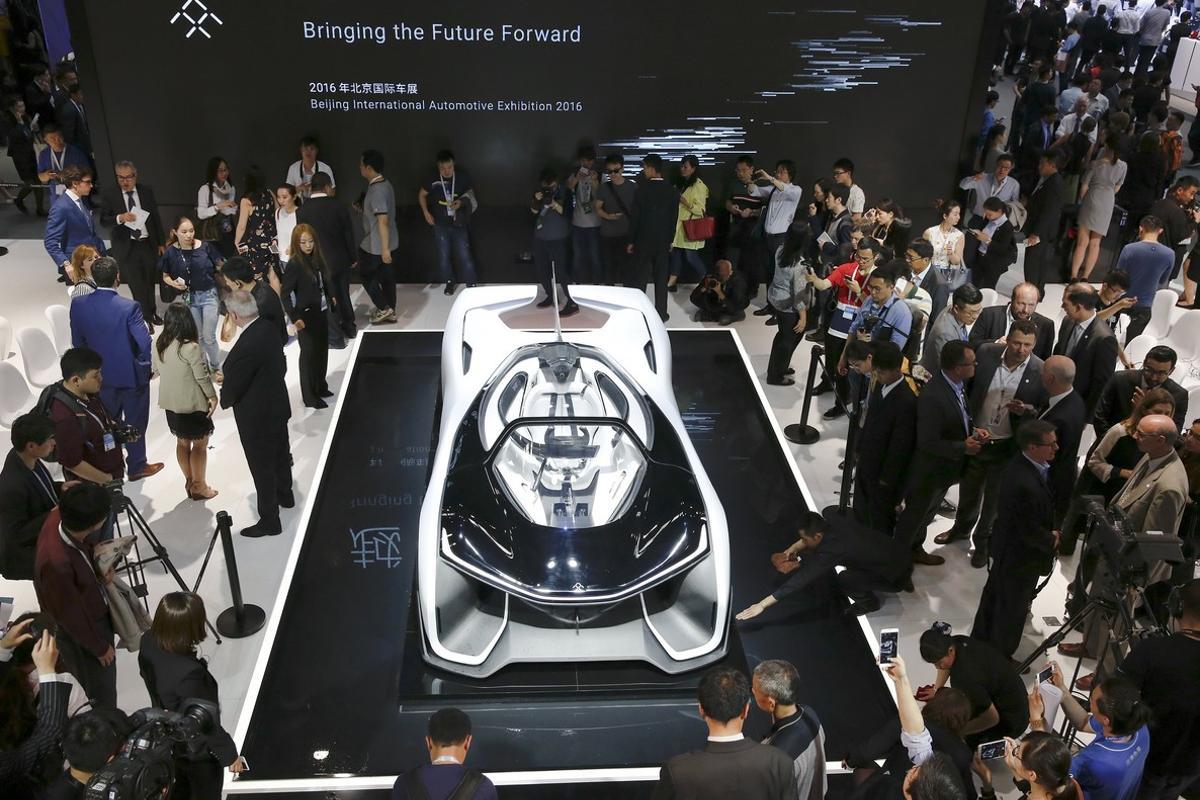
x=144 y=768
x=1129 y=555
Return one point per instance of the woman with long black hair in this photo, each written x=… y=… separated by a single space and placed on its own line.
x=790 y=295
x=255 y=234
x=173 y=673
x=186 y=394
x=693 y=202
x=891 y=228
x=190 y=266
x=217 y=208
x=305 y=295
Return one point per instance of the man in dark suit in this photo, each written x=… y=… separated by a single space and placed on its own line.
x=1042 y=221
x=72 y=220
x=1024 y=539
x=28 y=493
x=113 y=326
x=997 y=249
x=730 y=765
x=37 y=95
x=254 y=388
x=73 y=119
x=338 y=241
x=994 y=321
x=656 y=212
x=137 y=236
x=922 y=275
x=70 y=591
x=1007 y=385
x=871 y=561
x=945 y=437
x=888 y=433
x=1126 y=387
x=1066 y=411
x=1086 y=340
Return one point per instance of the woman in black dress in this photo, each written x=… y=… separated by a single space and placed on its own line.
x=255 y=235
x=306 y=298
x=891 y=228
x=20 y=149
x=173 y=673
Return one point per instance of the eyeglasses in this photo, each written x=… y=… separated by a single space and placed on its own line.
x=862 y=259
x=838 y=172
x=1156 y=373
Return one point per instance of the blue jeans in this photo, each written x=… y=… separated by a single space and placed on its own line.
x=450 y=238
x=130 y=404
x=683 y=255
x=203 y=305
x=585 y=259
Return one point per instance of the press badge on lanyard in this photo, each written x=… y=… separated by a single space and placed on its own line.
x=110 y=442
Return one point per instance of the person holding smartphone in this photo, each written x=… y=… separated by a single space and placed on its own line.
x=173 y=673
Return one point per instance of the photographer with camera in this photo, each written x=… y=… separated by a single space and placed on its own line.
x=70 y=591
x=1167 y=671
x=91 y=742
x=550 y=241
x=723 y=296
x=17 y=762
x=28 y=492
x=174 y=675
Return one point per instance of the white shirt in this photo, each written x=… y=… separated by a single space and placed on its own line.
x=297 y=175
x=206 y=201
x=139 y=224
x=737 y=737
x=1068 y=126
x=883 y=390
x=857 y=201
x=1054 y=401
x=781 y=206
x=285 y=223
x=994 y=413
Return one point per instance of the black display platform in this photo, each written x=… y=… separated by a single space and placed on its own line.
x=345 y=692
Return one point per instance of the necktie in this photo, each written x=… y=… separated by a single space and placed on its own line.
x=1073 y=340
x=136 y=234
x=1139 y=475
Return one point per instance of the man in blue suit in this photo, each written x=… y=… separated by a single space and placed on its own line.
x=114 y=327
x=72 y=220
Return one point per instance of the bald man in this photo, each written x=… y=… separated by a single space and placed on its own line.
x=994 y=321
x=1153 y=500
x=1068 y=413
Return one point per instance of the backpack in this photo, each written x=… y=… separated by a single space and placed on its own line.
x=465 y=790
x=55 y=391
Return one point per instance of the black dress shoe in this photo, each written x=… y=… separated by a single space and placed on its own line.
x=317 y=404
x=836 y=412
x=765 y=311
x=979 y=558
x=781 y=382
x=927 y=559
x=62 y=278
x=789 y=371
x=286 y=500
x=946 y=537
x=546 y=303
x=773 y=321
x=813 y=336
x=20 y=204
x=450 y=287
x=947 y=509
x=156 y=319
x=673 y=288
x=570 y=309
x=258 y=530
x=326 y=393
x=864 y=606
x=822 y=388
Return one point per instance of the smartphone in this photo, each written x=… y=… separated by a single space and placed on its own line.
x=1045 y=674
x=889 y=643
x=990 y=750
x=7 y=604
x=246 y=763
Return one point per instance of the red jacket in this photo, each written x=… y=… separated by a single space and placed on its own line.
x=68 y=588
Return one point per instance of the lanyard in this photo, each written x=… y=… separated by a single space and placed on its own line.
x=47 y=486
x=57 y=163
x=449 y=196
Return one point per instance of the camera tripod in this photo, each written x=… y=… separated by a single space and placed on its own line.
x=128 y=521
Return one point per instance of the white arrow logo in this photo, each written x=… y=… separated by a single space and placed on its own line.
x=197 y=23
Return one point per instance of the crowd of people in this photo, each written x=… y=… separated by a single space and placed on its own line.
x=938 y=389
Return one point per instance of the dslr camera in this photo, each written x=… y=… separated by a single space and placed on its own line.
x=125 y=433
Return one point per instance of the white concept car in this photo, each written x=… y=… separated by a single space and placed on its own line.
x=567 y=517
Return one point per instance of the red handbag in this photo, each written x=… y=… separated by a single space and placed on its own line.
x=700 y=229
